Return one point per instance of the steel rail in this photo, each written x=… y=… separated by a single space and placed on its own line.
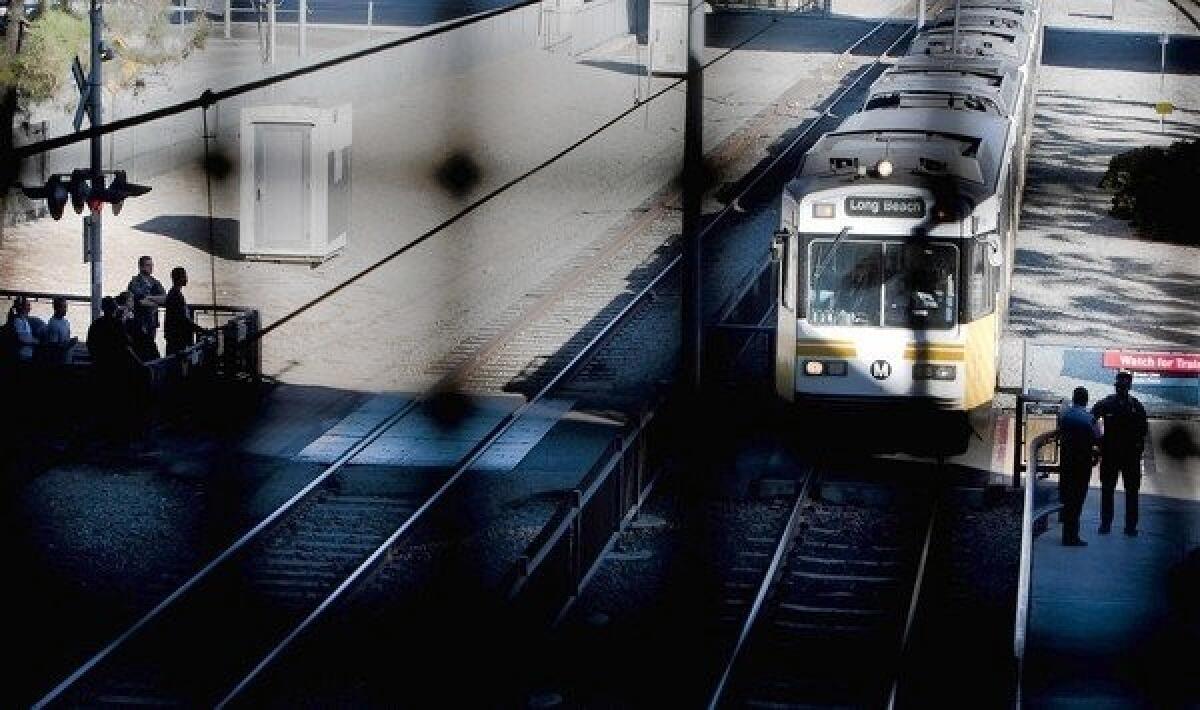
x=718 y=219
x=210 y=97
x=374 y=434
x=768 y=582
x=501 y=189
x=915 y=598
x=470 y=458
x=237 y=546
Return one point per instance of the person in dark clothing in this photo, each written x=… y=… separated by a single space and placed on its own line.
x=148 y=294
x=1077 y=447
x=118 y=373
x=108 y=343
x=178 y=327
x=1121 y=448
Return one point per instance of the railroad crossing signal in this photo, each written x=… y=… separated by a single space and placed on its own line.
x=80 y=190
x=85 y=95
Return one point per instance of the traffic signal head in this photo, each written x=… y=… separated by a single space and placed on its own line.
x=79 y=189
x=122 y=188
x=54 y=193
x=96 y=198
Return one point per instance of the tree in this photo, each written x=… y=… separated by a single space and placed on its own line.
x=16 y=26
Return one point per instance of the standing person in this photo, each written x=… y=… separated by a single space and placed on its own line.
x=125 y=315
x=109 y=345
x=57 y=338
x=18 y=320
x=1121 y=449
x=117 y=369
x=58 y=328
x=1077 y=446
x=179 y=329
x=148 y=294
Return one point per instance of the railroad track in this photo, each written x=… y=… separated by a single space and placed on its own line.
x=827 y=624
x=212 y=635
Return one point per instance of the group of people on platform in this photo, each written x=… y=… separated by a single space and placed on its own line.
x=1113 y=432
x=123 y=337
x=28 y=338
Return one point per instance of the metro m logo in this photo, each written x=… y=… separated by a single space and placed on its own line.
x=881 y=369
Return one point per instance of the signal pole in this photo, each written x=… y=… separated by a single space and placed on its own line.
x=693 y=195
x=92 y=236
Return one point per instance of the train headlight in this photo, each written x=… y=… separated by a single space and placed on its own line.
x=824 y=210
x=924 y=371
x=818 y=368
x=884 y=168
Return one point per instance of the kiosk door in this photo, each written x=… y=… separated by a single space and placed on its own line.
x=282 y=153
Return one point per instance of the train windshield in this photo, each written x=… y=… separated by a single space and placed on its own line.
x=893 y=284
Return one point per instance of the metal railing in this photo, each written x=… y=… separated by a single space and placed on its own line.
x=1035 y=511
x=233 y=349
x=560 y=561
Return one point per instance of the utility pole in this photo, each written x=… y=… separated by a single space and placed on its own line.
x=228 y=8
x=271 y=32
x=954 y=49
x=92 y=232
x=302 y=7
x=920 y=14
x=693 y=195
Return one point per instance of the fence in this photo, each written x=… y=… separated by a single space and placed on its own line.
x=233 y=350
x=563 y=557
x=1040 y=503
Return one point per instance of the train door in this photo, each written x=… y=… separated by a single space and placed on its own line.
x=784 y=253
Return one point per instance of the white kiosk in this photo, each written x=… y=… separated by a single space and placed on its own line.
x=668 y=33
x=295 y=187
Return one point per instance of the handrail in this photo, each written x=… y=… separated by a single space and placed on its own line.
x=1025 y=575
x=43 y=296
x=234 y=343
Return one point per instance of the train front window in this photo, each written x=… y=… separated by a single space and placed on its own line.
x=919 y=286
x=893 y=284
x=845 y=282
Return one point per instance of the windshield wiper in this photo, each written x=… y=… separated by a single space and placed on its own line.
x=829 y=255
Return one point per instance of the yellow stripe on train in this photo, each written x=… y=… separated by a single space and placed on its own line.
x=826 y=349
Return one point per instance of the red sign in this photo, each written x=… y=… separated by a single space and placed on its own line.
x=1163 y=363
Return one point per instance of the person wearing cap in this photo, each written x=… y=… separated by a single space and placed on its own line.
x=1121 y=447
x=1077 y=437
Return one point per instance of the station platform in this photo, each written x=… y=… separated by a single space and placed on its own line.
x=1115 y=624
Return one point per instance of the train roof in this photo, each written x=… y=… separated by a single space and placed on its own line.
x=1023 y=7
x=994 y=67
x=984 y=17
x=967 y=146
x=990 y=42
x=939 y=89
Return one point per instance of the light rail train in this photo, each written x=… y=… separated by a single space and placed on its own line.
x=896 y=242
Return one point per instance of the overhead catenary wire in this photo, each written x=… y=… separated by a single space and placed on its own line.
x=497 y=191
x=209 y=97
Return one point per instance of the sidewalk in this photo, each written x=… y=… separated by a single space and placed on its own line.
x=505 y=117
x=1082 y=277
x=1108 y=625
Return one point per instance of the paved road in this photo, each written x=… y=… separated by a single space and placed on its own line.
x=1127 y=51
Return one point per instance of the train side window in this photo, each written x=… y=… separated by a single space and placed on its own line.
x=981 y=291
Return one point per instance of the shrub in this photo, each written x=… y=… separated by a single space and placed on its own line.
x=1155 y=189
x=43 y=65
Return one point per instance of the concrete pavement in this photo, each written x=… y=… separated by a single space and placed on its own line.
x=1108 y=626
